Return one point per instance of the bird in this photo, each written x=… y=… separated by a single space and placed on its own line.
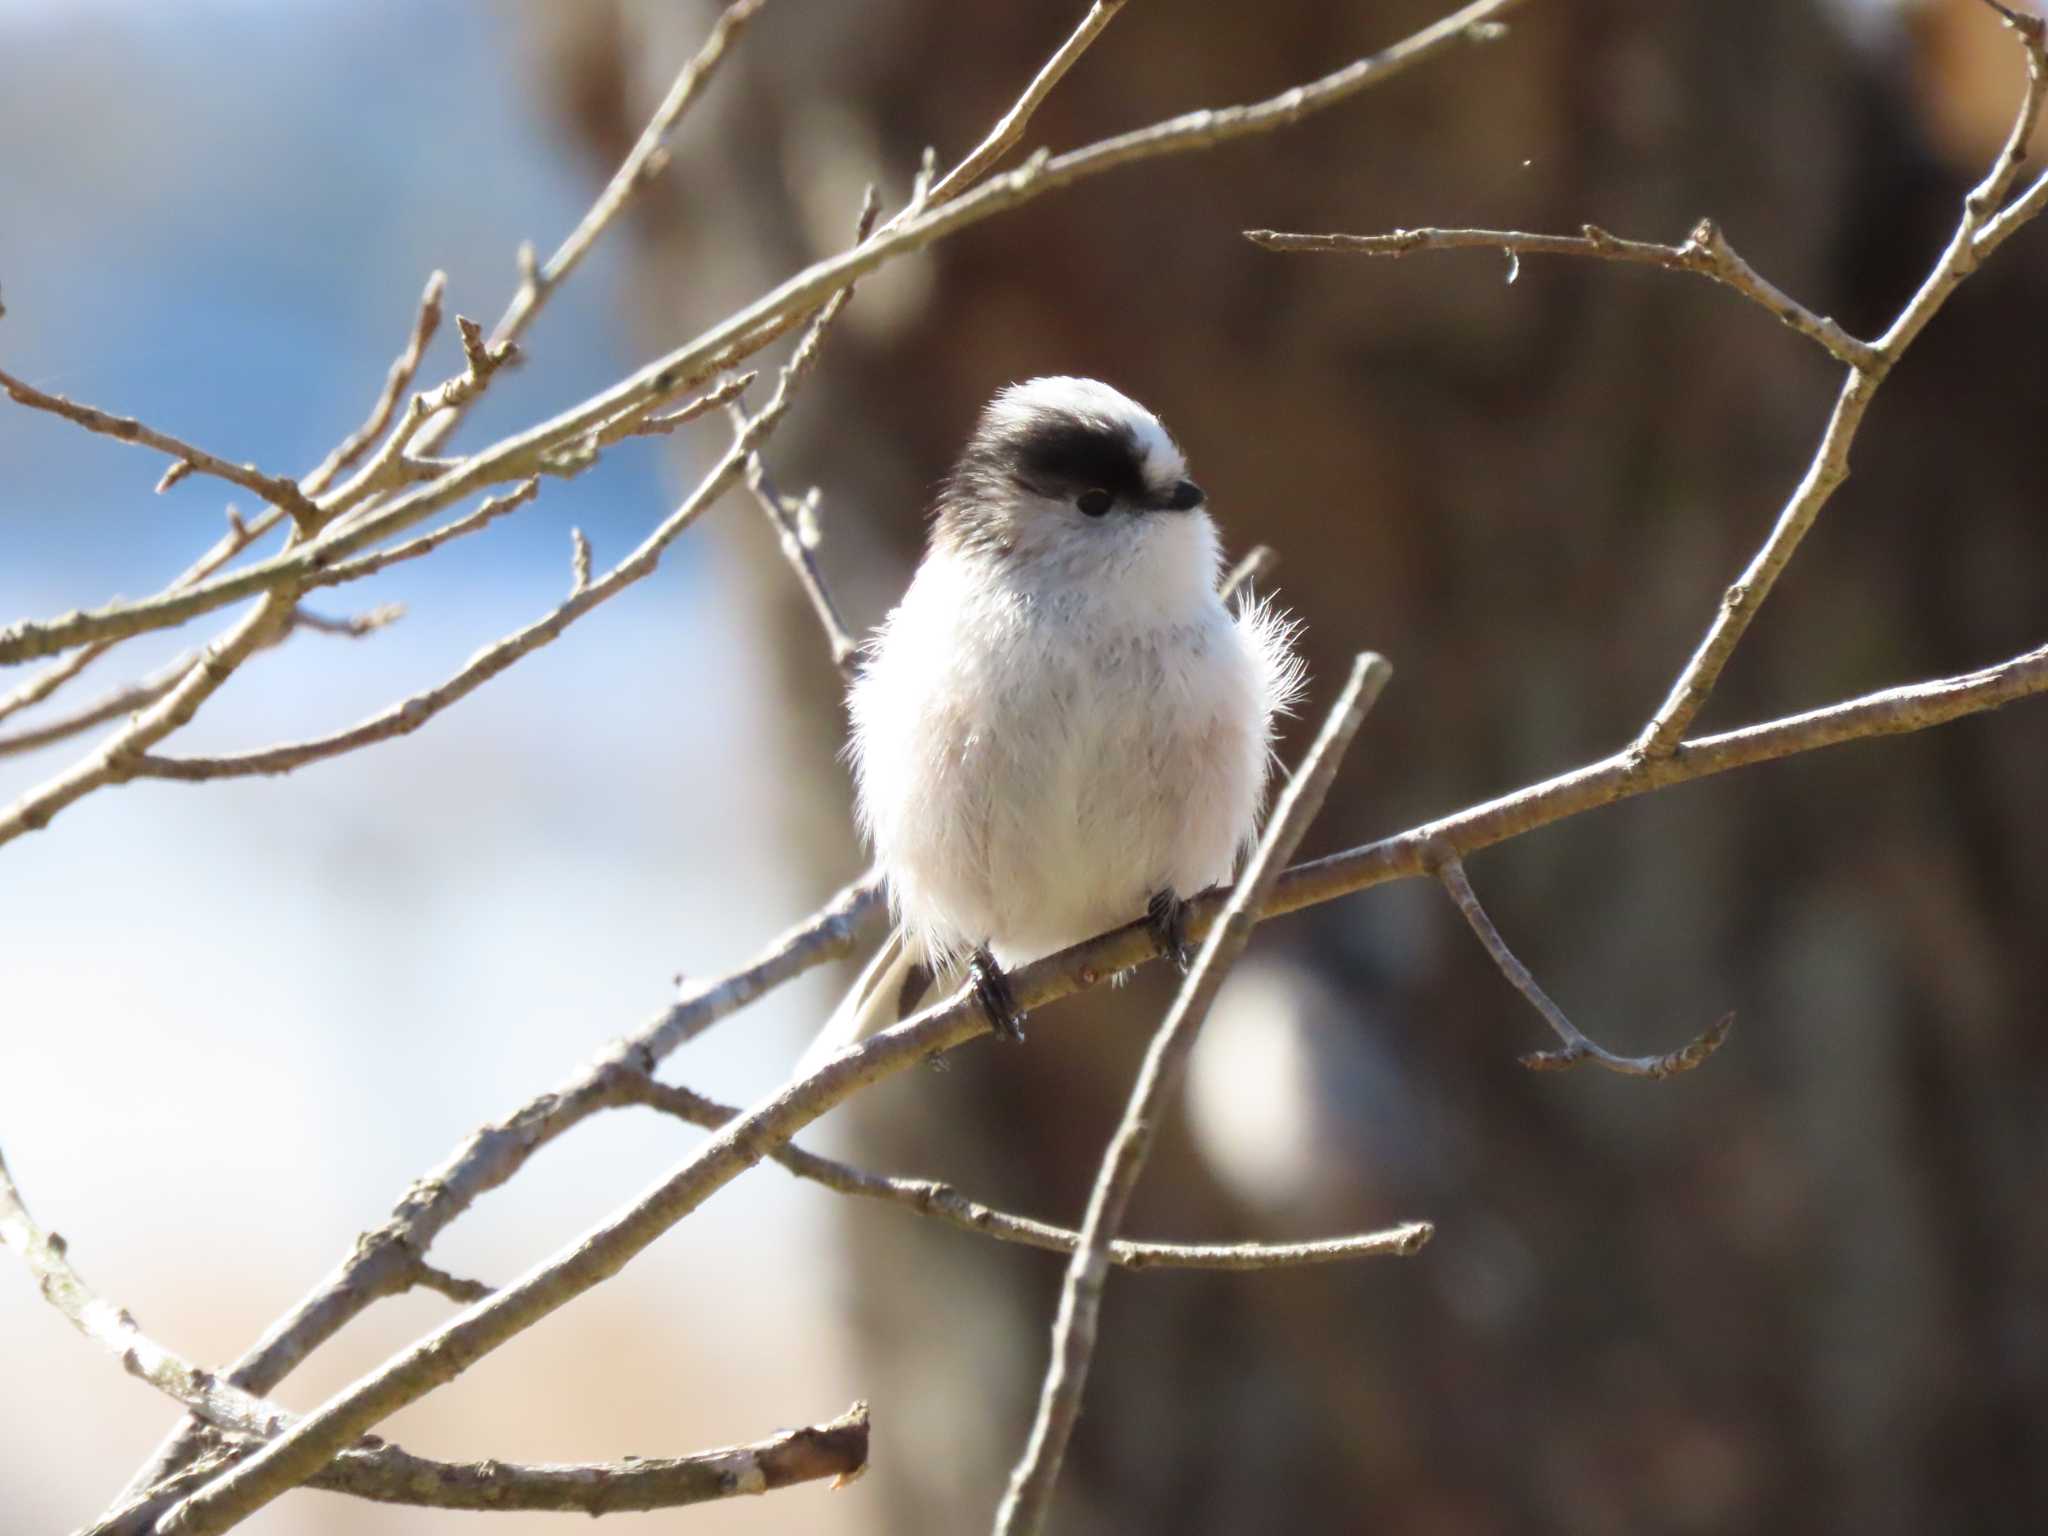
x=1063 y=726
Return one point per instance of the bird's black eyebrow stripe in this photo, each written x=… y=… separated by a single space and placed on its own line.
x=1059 y=453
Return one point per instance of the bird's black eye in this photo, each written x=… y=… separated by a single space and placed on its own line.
x=1094 y=503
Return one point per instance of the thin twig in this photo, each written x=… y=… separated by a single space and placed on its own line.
x=457 y=1288
x=797 y=551
x=1029 y=1497
x=660 y=426
x=1706 y=251
x=1010 y=126
x=579 y=562
x=278 y=490
x=393 y=464
x=352 y=626
x=1830 y=464
x=426 y=321
x=240 y=536
x=755 y=324
x=116 y=760
x=642 y=163
x=1577 y=1047
x=147 y=690
x=111 y=706
x=408 y=715
x=1257 y=564
x=486 y=511
x=932 y=1198
x=115 y=1330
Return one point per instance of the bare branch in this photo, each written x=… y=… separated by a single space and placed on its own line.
x=1010 y=127
x=396 y=382
x=1830 y=464
x=392 y=1475
x=275 y=489
x=118 y=759
x=1706 y=251
x=646 y=160
x=755 y=324
x=746 y=1141
x=352 y=627
x=428 y=1278
x=388 y=1261
x=146 y=691
x=932 y=1198
x=487 y=511
x=797 y=551
x=115 y=1330
x=1257 y=564
x=238 y=538
x=1577 y=1048
x=836 y=1449
x=394 y=464
x=50 y=679
x=658 y=426
x=389 y=1474
x=1029 y=1497
x=407 y=716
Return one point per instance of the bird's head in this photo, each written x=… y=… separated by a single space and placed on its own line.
x=1071 y=478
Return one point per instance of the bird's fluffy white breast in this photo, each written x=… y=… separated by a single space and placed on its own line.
x=1037 y=750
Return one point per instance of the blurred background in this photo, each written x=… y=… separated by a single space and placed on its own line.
x=1801 y=1289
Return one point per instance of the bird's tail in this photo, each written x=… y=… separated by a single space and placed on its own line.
x=889 y=988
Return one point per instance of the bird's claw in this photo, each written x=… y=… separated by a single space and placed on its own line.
x=1167 y=916
x=992 y=990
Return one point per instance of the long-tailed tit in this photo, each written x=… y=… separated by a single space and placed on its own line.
x=1062 y=726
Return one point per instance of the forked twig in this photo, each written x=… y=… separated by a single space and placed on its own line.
x=1578 y=1049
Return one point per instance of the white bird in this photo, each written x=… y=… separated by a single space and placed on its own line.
x=1063 y=726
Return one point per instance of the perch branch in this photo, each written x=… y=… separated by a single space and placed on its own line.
x=605 y=1250
x=1029 y=1497
x=1577 y=1047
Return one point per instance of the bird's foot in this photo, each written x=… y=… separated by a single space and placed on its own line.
x=1167 y=916
x=992 y=991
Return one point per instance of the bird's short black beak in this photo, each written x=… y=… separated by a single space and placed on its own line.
x=1184 y=497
